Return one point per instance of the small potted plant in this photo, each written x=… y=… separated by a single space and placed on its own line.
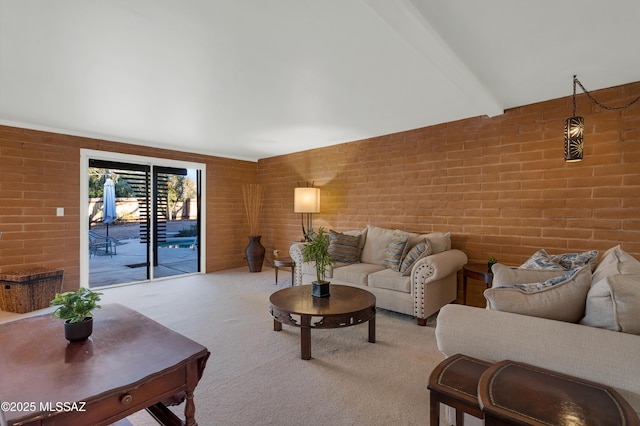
x=75 y=307
x=491 y=261
x=317 y=250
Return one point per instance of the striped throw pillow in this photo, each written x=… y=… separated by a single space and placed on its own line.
x=393 y=255
x=418 y=251
x=344 y=248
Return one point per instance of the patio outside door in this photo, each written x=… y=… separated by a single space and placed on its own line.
x=156 y=233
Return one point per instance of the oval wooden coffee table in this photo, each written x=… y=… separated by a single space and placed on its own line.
x=345 y=307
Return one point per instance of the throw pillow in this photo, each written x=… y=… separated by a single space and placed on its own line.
x=505 y=275
x=613 y=303
x=393 y=255
x=344 y=248
x=541 y=260
x=412 y=241
x=562 y=298
x=358 y=232
x=616 y=261
x=418 y=251
x=576 y=260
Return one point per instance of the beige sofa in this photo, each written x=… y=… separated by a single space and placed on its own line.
x=402 y=277
x=605 y=351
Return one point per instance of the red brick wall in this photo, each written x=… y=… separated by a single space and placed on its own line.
x=499 y=185
x=40 y=171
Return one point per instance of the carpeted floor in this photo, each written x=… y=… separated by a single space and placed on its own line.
x=255 y=376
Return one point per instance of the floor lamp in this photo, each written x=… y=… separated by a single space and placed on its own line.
x=306 y=201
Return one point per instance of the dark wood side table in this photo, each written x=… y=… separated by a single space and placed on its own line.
x=346 y=306
x=454 y=382
x=284 y=262
x=128 y=364
x=475 y=271
x=513 y=393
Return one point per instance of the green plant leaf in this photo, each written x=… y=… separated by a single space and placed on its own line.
x=75 y=306
x=317 y=250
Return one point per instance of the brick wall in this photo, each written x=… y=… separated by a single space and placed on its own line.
x=40 y=171
x=499 y=185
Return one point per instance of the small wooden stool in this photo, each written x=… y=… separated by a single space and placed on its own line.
x=284 y=262
x=454 y=382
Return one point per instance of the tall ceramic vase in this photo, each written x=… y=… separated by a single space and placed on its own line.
x=254 y=253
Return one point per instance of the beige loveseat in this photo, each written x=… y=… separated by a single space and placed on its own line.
x=416 y=277
x=605 y=351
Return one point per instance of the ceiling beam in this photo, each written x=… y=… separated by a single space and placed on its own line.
x=414 y=27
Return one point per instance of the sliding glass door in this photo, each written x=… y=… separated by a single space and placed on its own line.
x=151 y=229
x=176 y=221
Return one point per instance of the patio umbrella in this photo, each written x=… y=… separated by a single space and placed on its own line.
x=108 y=203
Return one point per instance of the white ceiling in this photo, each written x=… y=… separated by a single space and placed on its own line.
x=252 y=79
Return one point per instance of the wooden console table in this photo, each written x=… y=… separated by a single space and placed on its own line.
x=129 y=363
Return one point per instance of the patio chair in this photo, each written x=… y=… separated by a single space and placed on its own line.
x=102 y=244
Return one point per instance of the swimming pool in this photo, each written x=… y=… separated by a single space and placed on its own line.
x=180 y=242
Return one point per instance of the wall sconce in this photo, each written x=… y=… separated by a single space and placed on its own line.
x=306 y=200
x=574 y=126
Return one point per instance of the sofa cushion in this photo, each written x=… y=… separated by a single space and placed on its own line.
x=418 y=251
x=395 y=249
x=343 y=247
x=614 y=303
x=561 y=298
x=375 y=245
x=356 y=273
x=391 y=280
x=616 y=261
x=505 y=275
x=439 y=241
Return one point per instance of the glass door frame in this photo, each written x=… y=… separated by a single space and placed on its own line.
x=86 y=155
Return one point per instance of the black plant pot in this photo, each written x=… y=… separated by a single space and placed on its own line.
x=78 y=331
x=490 y=265
x=254 y=253
x=320 y=289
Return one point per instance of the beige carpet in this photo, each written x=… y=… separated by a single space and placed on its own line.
x=255 y=375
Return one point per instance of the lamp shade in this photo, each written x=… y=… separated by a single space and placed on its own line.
x=306 y=200
x=573 y=139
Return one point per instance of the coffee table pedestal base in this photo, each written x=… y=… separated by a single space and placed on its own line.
x=305 y=326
